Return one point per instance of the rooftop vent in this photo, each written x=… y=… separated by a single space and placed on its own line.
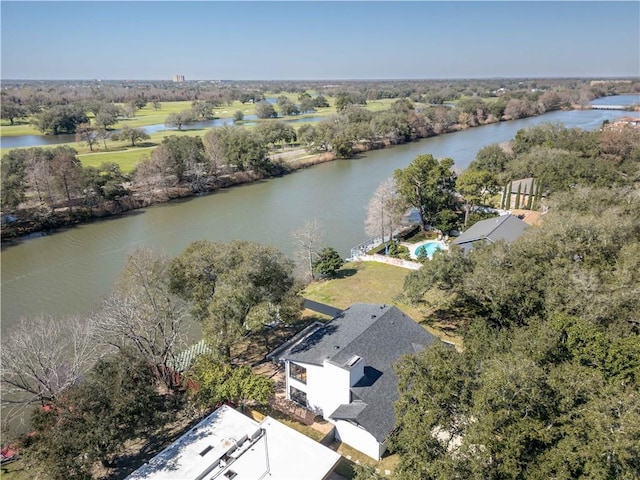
x=206 y=450
x=355 y=359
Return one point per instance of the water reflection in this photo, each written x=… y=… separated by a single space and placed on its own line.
x=45 y=140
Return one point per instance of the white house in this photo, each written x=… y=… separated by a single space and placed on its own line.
x=343 y=371
x=228 y=445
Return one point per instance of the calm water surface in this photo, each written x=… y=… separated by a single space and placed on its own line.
x=45 y=140
x=70 y=271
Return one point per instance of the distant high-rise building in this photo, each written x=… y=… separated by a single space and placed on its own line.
x=178 y=79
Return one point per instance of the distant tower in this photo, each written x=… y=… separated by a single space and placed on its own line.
x=178 y=79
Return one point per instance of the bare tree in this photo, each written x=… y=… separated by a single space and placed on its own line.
x=155 y=172
x=307 y=240
x=66 y=169
x=39 y=175
x=141 y=312
x=44 y=356
x=86 y=133
x=385 y=210
x=214 y=150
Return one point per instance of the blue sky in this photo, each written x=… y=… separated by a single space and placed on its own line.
x=318 y=40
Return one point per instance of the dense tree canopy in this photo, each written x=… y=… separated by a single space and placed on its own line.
x=116 y=402
x=14 y=179
x=235 y=289
x=427 y=185
x=534 y=403
x=60 y=118
x=237 y=147
x=551 y=362
x=475 y=186
x=265 y=110
x=216 y=382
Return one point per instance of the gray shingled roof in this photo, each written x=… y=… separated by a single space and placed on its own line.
x=505 y=227
x=380 y=334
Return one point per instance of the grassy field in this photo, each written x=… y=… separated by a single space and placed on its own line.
x=127 y=157
x=20 y=128
x=371 y=282
x=15 y=471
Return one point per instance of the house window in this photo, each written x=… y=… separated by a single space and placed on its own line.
x=298 y=373
x=298 y=396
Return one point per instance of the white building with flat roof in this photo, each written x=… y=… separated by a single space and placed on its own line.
x=228 y=445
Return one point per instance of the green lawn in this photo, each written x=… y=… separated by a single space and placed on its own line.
x=20 y=128
x=371 y=282
x=127 y=157
x=15 y=471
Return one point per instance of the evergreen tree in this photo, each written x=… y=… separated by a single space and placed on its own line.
x=328 y=262
x=503 y=200
x=538 y=194
x=530 y=195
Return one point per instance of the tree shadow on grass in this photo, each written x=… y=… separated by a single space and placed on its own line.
x=345 y=273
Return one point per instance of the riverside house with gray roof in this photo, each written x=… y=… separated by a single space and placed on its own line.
x=343 y=371
x=505 y=227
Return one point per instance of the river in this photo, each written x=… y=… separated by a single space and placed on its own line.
x=70 y=271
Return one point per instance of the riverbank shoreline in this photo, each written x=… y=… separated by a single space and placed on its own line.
x=13 y=230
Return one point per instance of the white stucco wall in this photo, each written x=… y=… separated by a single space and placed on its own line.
x=327 y=386
x=359 y=439
x=356 y=372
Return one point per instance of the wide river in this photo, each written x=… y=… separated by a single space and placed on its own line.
x=70 y=271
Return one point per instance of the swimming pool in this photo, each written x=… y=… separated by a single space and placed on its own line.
x=429 y=247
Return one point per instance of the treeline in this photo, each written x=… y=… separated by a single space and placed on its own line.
x=547 y=385
x=23 y=99
x=48 y=187
x=356 y=128
x=90 y=385
x=562 y=159
x=559 y=160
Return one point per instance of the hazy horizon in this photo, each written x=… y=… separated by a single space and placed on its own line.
x=273 y=80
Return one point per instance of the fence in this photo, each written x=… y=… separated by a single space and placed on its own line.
x=398 y=262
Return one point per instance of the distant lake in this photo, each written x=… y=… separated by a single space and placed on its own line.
x=45 y=140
